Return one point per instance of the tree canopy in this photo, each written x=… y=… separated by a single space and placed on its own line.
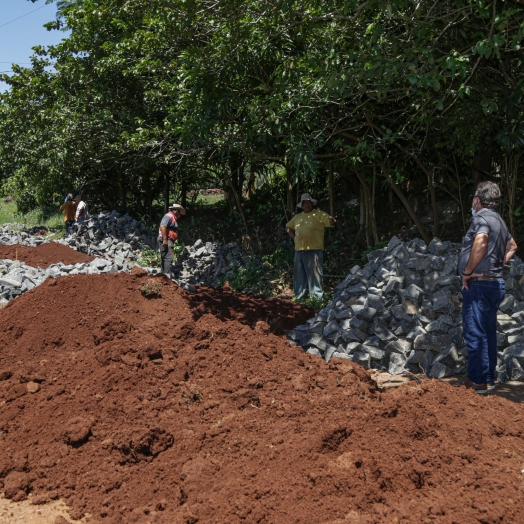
x=425 y=97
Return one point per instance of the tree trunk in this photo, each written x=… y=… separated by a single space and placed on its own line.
x=183 y=196
x=166 y=192
x=362 y=206
x=408 y=207
x=371 y=226
x=237 y=200
x=431 y=181
x=331 y=192
x=289 y=189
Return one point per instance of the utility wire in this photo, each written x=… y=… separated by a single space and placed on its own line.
x=15 y=19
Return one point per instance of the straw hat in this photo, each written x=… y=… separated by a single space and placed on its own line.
x=177 y=207
x=306 y=196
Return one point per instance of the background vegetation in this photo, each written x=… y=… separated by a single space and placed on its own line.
x=404 y=105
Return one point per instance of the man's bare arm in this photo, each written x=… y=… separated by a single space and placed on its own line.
x=511 y=248
x=478 y=250
x=290 y=232
x=163 y=230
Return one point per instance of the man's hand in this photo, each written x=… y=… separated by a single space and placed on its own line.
x=465 y=279
x=290 y=232
x=332 y=221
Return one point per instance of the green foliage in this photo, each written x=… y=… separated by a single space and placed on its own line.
x=266 y=276
x=314 y=302
x=149 y=94
x=149 y=258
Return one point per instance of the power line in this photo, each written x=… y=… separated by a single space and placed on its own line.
x=23 y=63
x=15 y=19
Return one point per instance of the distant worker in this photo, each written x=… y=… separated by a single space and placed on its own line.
x=307 y=230
x=81 y=209
x=69 y=209
x=168 y=234
x=486 y=247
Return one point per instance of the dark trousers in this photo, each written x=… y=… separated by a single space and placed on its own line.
x=69 y=226
x=167 y=254
x=479 y=325
x=307 y=273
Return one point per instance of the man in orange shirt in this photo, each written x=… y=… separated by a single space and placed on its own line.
x=69 y=209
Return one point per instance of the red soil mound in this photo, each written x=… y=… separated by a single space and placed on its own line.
x=44 y=255
x=150 y=410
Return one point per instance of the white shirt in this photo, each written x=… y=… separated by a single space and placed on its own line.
x=79 y=207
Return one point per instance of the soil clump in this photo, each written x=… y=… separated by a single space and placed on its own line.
x=44 y=255
x=182 y=409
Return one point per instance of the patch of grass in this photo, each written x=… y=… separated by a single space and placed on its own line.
x=50 y=217
x=151 y=288
x=314 y=302
x=209 y=200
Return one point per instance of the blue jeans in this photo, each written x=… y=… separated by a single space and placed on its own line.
x=308 y=272
x=479 y=324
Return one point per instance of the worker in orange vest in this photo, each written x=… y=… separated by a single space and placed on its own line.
x=167 y=235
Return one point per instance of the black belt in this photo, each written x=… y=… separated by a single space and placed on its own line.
x=474 y=279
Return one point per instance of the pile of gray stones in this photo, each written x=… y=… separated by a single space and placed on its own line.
x=116 y=241
x=207 y=263
x=402 y=313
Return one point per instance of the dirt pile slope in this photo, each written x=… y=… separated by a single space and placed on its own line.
x=44 y=255
x=185 y=410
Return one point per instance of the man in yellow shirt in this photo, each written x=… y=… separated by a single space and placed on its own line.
x=307 y=229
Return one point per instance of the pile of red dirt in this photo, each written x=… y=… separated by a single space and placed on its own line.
x=44 y=255
x=180 y=410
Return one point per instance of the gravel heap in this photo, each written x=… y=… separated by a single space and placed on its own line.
x=206 y=263
x=16 y=277
x=403 y=313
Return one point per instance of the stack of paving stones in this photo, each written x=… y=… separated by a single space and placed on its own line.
x=206 y=263
x=402 y=312
x=111 y=234
x=17 y=278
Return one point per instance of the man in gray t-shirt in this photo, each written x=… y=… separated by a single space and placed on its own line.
x=486 y=247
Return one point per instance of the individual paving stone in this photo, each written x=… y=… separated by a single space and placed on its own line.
x=375 y=302
x=507 y=304
x=426 y=362
x=314 y=351
x=363 y=358
x=382 y=332
x=374 y=352
x=437 y=326
x=328 y=352
x=415 y=332
x=516 y=350
x=415 y=356
x=397 y=363
x=514 y=369
x=504 y=321
x=439 y=370
x=399 y=346
x=431 y=342
x=354 y=335
x=337 y=354
x=515 y=329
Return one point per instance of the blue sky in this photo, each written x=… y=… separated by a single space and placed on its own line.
x=19 y=36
